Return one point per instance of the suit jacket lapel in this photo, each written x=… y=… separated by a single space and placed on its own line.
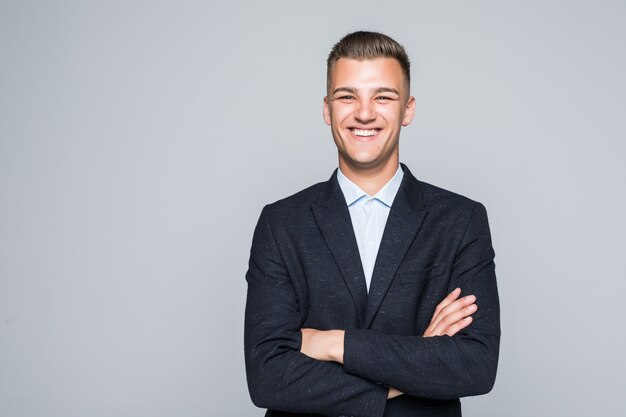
x=333 y=219
x=404 y=221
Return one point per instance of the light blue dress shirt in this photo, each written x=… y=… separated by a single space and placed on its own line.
x=369 y=216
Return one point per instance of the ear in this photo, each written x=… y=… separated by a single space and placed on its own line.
x=409 y=112
x=326 y=111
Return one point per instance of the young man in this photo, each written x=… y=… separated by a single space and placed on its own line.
x=354 y=300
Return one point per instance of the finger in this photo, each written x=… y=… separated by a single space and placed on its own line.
x=449 y=315
x=446 y=301
x=453 y=318
x=458 y=326
x=452 y=307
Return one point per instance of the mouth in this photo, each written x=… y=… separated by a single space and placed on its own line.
x=364 y=134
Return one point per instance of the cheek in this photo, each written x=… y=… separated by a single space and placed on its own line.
x=391 y=115
x=340 y=113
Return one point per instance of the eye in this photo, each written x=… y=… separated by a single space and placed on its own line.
x=384 y=98
x=346 y=97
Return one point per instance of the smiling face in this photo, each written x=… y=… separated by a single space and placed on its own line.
x=367 y=103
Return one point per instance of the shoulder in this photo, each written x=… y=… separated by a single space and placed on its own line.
x=434 y=196
x=301 y=198
x=450 y=207
x=296 y=204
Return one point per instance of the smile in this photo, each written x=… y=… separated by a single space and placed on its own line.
x=364 y=133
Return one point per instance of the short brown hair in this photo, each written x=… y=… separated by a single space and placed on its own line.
x=368 y=45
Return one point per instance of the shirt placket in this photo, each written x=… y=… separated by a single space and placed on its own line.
x=370 y=238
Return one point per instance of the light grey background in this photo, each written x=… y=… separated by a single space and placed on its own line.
x=139 y=141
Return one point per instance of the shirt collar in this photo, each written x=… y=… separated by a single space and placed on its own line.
x=385 y=195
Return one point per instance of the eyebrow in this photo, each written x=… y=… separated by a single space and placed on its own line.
x=385 y=90
x=377 y=90
x=350 y=90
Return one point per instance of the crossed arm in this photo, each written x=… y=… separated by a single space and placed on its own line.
x=300 y=370
x=452 y=315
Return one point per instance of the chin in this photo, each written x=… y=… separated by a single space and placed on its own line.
x=362 y=163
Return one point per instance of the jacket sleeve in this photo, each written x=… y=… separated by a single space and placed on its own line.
x=441 y=367
x=279 y=376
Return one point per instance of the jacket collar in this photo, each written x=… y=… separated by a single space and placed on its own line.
x=404 y=221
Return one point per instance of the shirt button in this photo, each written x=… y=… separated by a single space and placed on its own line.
x=370 y=243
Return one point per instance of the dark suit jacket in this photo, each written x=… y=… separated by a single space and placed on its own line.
x=305 y=271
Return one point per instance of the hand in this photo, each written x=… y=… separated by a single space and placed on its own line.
x=393 y=393
x=323 y=345
x=452 y=315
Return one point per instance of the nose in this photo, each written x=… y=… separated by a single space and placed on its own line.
x=365 y=112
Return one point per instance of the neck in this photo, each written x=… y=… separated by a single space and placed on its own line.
x=370 y=180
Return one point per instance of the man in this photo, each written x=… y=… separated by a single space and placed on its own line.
x=354 y=300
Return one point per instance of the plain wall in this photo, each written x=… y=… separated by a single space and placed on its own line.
x=139 y=141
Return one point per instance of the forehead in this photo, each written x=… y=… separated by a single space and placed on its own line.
x=377 y=72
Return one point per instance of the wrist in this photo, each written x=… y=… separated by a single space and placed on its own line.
x=336 y=346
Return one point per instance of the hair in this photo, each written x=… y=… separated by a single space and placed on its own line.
x=368 y=45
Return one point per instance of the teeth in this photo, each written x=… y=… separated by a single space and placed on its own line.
x=360 y=132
